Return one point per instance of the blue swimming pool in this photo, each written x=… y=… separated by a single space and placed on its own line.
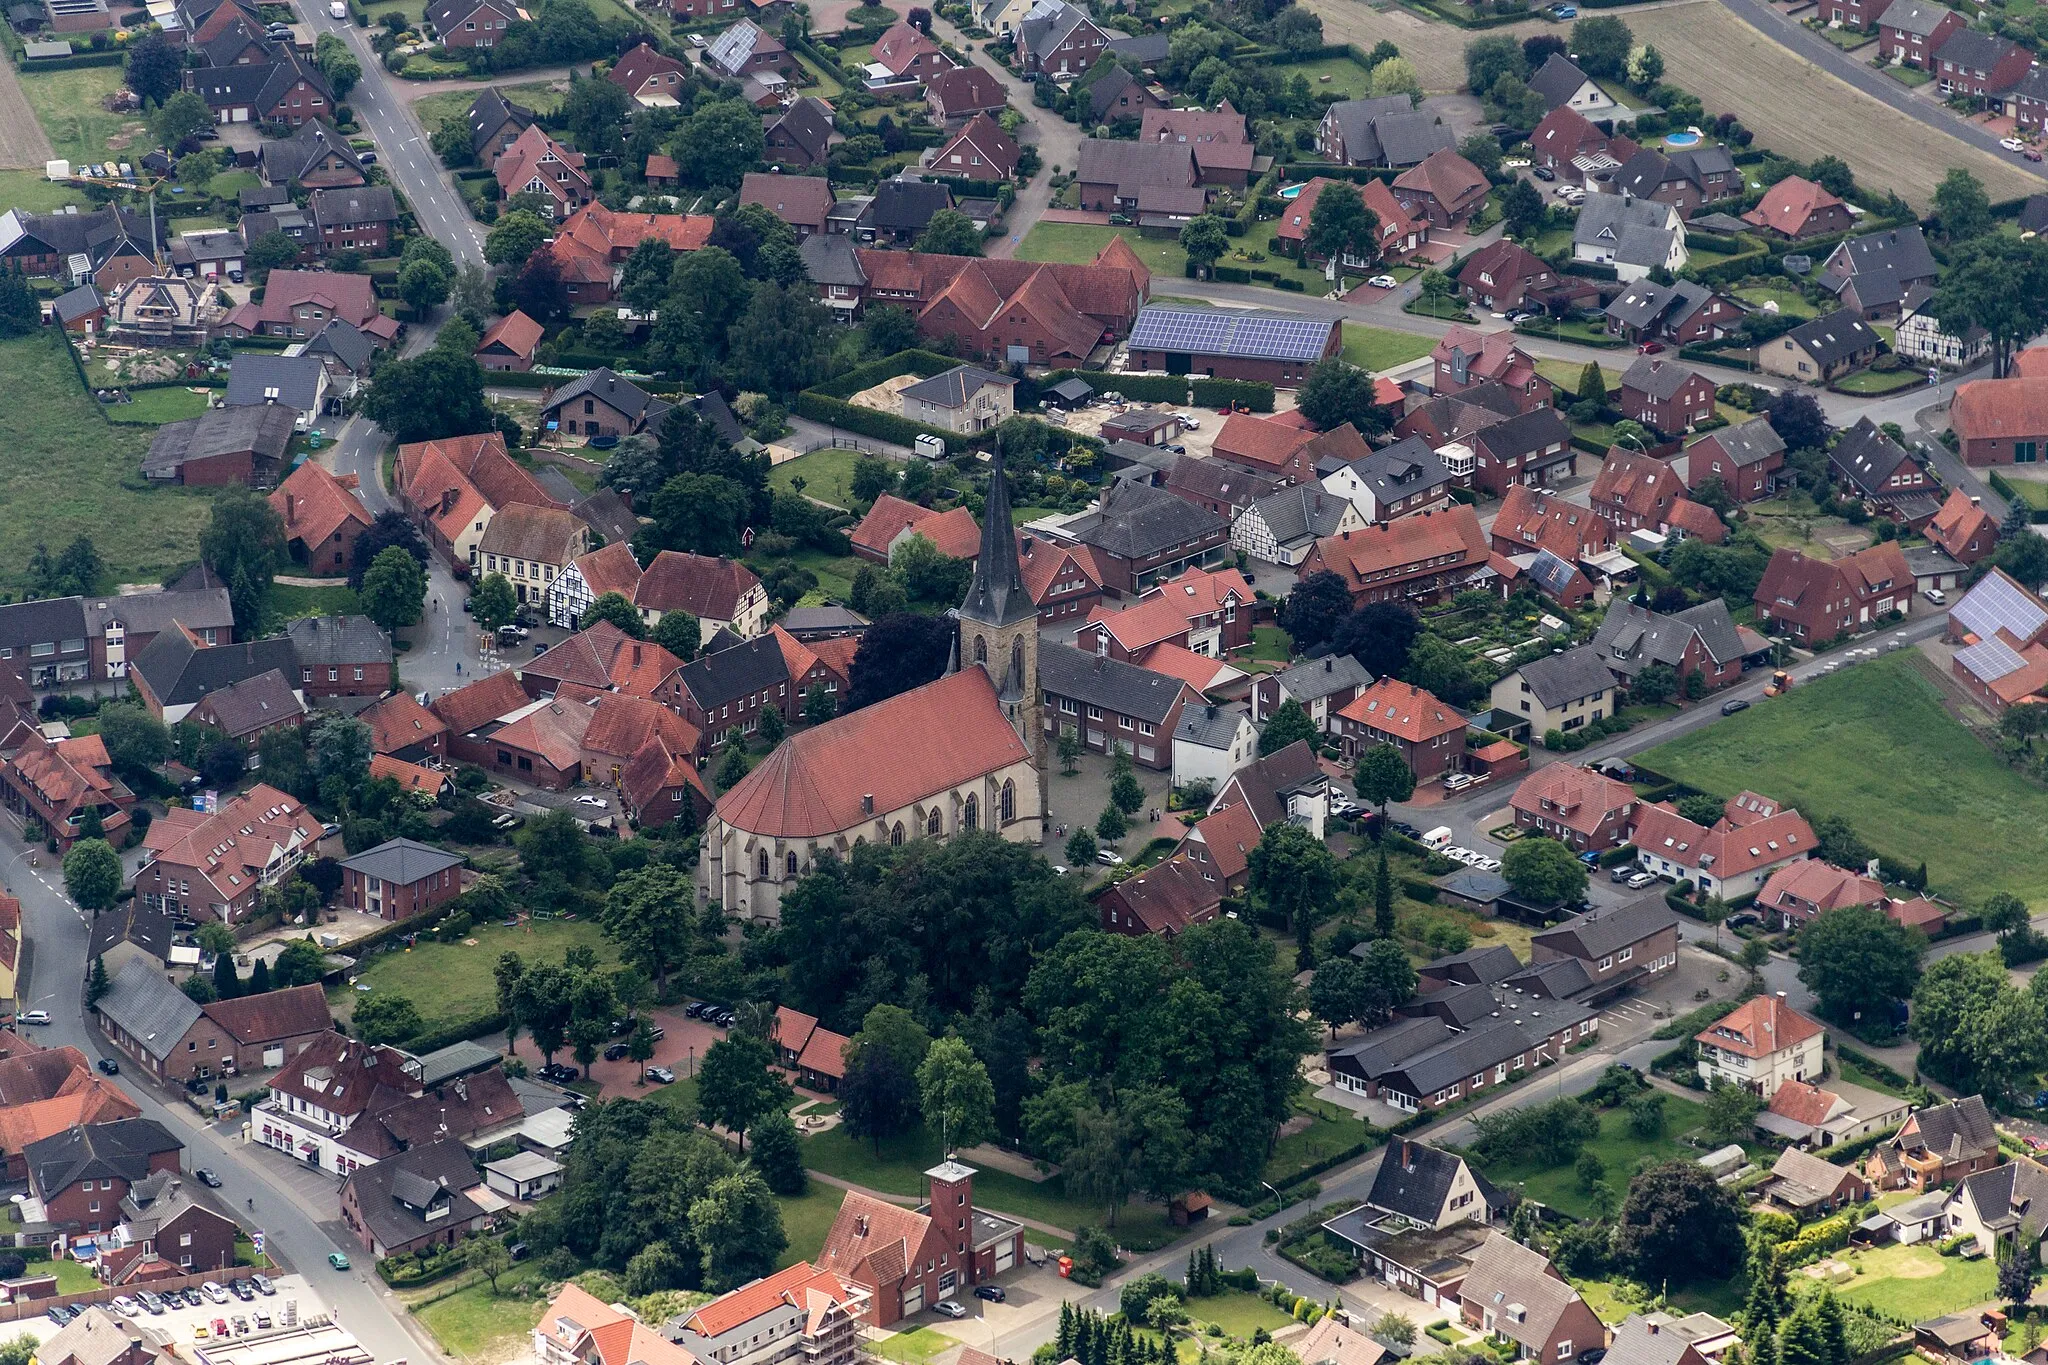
x=1689 y=138
x=1292 y=191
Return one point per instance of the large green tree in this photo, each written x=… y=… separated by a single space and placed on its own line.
x=956 y=1095
x=735 y=1086
x=1295 y=876
x=2000 y=284
x=427 y=397
x=92 y=874
x=738 y=1222
x=1383 y=777
x=1288 y=723
x=394 y=589
x=649 y=914
x=1543 y=870
x=1678 y=1225
x=243 y=544
x=1858 y=960
x=1341 y=224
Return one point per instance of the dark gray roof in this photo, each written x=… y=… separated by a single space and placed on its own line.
x=1868 y=458
x=180 y=673
x=1388 y=131
x=1556 y=679
x=607 y=387
x=1835 y=337
x=78 y=303
x=1915 y=16
x=264 y=430
x=339 y=640
x=391 y=1195
x=2034 y=213
x=1481 y=966
x=1489 y=1042
x=1134 y=521
x=1398 y=470
x=808 y=123
x=199 y=607
x=1748 y=443
x=287 y=159
x=829 y=619
x=1147 y=49
x=1902 y=249
x=346 y=342
x=1105 y=89
x=1973 y=50
x=1049 y=23
x=264 y=196
x=148 y=1008
x=456 y=1059
x=608 y=514
x=1471 y=884
x=1642 y=174
x=1644 y=304
x=1550 y=573
x=1637 y=231
x=1558 y=980
x=354 y=207
x=1700 y=162
x=1315 y=678
x=1558 y=81
x=50 y=620
x=907 y=205
x=1211 y=726
x=489 y=112
x=728 y=674
x=954 y=387
x=1112 y=684
x=1073 y=389
x=133 y=921
x=1526 y=434
x=291 y=381
x=830 y=258
x=1957 y=1130
x=1132 y=166
x=403 y=861
x=243 y=708
x=1199 y=478
x=1414 y=1181
x=1597 y=933
x=1656 y=376
x=1304 y=512
x=1631 y=637
x=119 y=1150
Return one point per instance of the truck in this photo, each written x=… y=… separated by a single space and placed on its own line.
x=1780 y=684
x=337 y=9
x=929 y=446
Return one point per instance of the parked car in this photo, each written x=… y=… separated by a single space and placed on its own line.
x=2012 y=144
x=110 y=1066
x=1109 y=857
x=1384 y=282
x=262 y=1316
x=61 y=1315
x=243 y=1290
x=1641 y=880
x=337 y=1259
x=241 y=1325
x=994 y=1293
x=660 y=1075
x=1729 y=708
x=207 y=1177
x=36 y=1017
x=615 y=1053
x=124 y=1305
x=1621 y=873
x=1650 y=348
x=1543 y=173
x=950 y=1308
x=220 y=1327
x=150 y=1301
x=263 y=1285
x=214 y=1292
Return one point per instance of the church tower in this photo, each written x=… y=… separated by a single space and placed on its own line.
x=999 y=621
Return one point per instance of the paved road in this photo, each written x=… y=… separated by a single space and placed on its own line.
x=58 y=935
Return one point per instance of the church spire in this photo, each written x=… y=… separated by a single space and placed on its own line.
x=997 y=596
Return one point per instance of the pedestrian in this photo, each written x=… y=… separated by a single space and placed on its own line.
x=458 y=668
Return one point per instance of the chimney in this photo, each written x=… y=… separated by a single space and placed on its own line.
x=1976 y=502
x=1781 y=995
x=1028 y=542
x=1653 y=1328
x=1212 y=711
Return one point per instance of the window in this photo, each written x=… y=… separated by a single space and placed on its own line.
x=931 y=824
x=970 y=814
x=761 y=864
x=1606 y=962
x=1009 y=805
x=789 y=862
x=896 y=834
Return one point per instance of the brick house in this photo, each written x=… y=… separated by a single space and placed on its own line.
x=1936 y=1146
x=1640 y=493
x=1732 y=858
x=400 y=878
x=1701 y=639
x=1533 y=448
x=1746 y=458
x=1665 y=396
x=509 y=343
x=908 y=1259
x=1578 y=807
x=1860 y=15
x=1680 y=313
x=1420 y=558
x=1163 y=900
x=1441 y=190
x=250 y=708
x=322 y=515
x=81 y=1176
x=1203 y=612
x=341 y=656
x=1565 y=135
x=1532 y=520
x=649 y=76
x=1108 y=701
x=1963 y=529
x=531 y=546
x=1514 y=1292
x=1062 y=579
x=1891 y=480
x=802 y=201
x=160 y=1216
x=1797 y=208
x=1398 y=234
x=1059 y=40
x=1464 y=359
x=236 y=1037
x=55 y=782
x=1620 y=947
x=2001 y=421
x=1428 y=734
x=1818 y=599
x=1274 y=449
x=1686 y=180
x=537 y=164
x=1321 y=686
x=1978 y=65
x=413 y=1200
x=215 y=866
x=472 y=23
x=1911 y=32
x=357 y=219
x=1502 y=275
x=1823 y=349
x=1139 y=536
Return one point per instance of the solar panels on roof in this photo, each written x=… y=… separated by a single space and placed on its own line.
x=1260 y=336
x=1997 y=603
x=1990 y=659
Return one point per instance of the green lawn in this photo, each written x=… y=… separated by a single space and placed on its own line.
x=289 y=601
x=835 y=573
x=1616 y=1146
x=1791 y=303
x=1918 y=1283
x=1339 y=76
x=1238 y=1313
x=432 y=109
x=73 y=1277
x=1907 y=75
x=1447 y=308
x=828 y=84
x=31 y=193
x=474 y=1322
x=1080 y=243
x=59 y=455
x=154 y=407
x=1271 y=643
x=451 y=982
x=918 y=1346
x=1334 y=1129
x=2032 y=492
x=1872 y=744
x=1382 y=348
x=68 y=105
x=903 y=1161
x=827 y=474
x=806 y=1220
x=230 y=184
x=1872 y=383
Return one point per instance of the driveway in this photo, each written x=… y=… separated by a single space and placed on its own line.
x=1058 y=143
x=681 y=1050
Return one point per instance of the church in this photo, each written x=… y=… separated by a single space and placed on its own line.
x=957 y=754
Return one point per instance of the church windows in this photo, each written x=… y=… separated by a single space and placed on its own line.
x=896 y=833
x=1017 y=656
x=1009 y=806
x=931 y=824
x=970 y=814
x=981 y=649
x=789 y=861
x=761 y=864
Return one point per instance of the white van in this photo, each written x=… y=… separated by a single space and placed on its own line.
x=338 y=9
x=1438 y=839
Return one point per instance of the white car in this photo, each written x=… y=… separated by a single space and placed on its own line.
x=597 y=801
x=1384 y=282
x=951 y=1308
x=214 y=1292
x=36 y=1017
x=1109 y=857
x=1188 y=420
x=125 y=1306
x=2012 y=144
x=1641 y=880
x=1488 y=864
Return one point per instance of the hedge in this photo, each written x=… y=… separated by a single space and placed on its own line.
x=880 y=425
x=1830 y=1234
x=1351 y=1153
x=924 y=364
x=477 y=1026
x=1686 y=1025
x=77 y=60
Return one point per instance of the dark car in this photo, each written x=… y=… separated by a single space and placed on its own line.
x=110 y=1066
x=616 y=1052
x=1543 y=172
x=994 y=1293
x=693 y=1009
x=517 y=1251
x=243 y=1290
x=207 y=1178
x=1729 y=708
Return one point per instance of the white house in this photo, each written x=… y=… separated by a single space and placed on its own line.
x=1282 y=527
x=1761 y=1046
x=1633 y=235
x=1211 y=743
x=1919 y=337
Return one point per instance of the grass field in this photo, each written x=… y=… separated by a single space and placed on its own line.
x=1874 y=745
x=31 y=193
x=1617 y=1147
x=1335 y=1128
x=1918 y=1282
x=59 y=456
x=538 y=96
x=289 y=602
x=918 y=1346
x=806 y=1220
x=1238 y=1313
x=1382 y=348
x=67 y=104
x=1331 y=75
x=474 y=1323
x=451 y=981
x=2032 y=492
x=1872 y=383
x=1791 y=303
x=1436 y=48
x=1080 y=243
x=154 y=407
x=827 y=476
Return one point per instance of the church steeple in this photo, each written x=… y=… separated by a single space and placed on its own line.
x=997 y=597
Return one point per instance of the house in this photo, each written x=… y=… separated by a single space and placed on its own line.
x=531 y=546
x=1566 y=142
x=1762 y=1045
x=1807 y=1115
x=962 y=92
x=1806 y=1186
x=342 y=1105
x=1164 y=900
x=2001 y=421
x=345 y=352
x=341 y=656
x=1559 y=81
x=1682 y=313
x=592 y=246
x=81 y=311
x=1512 y=1291
x=1819 y=599
x=1108 y=701
x=1502 y=275
x=650 y=77
x=1979 y=66
x=400 y=878
x=1441 y=190
x=1580 y=808
x=224 y=445
x=1115 y=175
x=1006 y=310
x=510 y=343
x=1389 y=131
x=1994 y=1206
x=2002 y=626
x=800 y=136
x=1428 y=734
x=1118 y=96
x=1745 y=457
x=55 y=783
x=1687 y=180
x=1465 y=359
x=1617 y=948
x=1399 y=232
x=401 y=727
x=1139 y=536
x=907 y=1258
x=1875 y=272
x=1635 y=236
x=1822 y=349
x=723 y=594
x=904 y=56
x=1059 y=40
x=472 y=23
x=284 y=92
x=297 y=383
x=1868 y=464
x=802 y=201
x=203 y=866
x=495 y=123
x=1220 y=139
x=537 y=164
x=524 y=1176
x=601 y=403
x=1936 y=1145
x=1961 y=1336
x=251 y=708
x=1394 y=481
x=176 y=672
x=1202 y=612
x=413 y=1200
x=106 y=247
x=891 y=521
x=1408 y=1236
x=1282 y=527
x=965 y=399
x=1801 y=892
x=1753 y=837
x=1561 y=692
x=354 y=219
x=1665 y=396
x=797 y=1313
x=1636 y=492
x=1275 y=449
x=1320 y=686
x=1062 y=580
x=1533 y=448
x=159 y=1216
x=298 y=305
x=48 y=1091
x=745 y=49
x=80 y=1176
x=455 y=487
x=1860 y=15
x=606 y=659
x=1963 y=529
x=1211 y=742
x=316 y=156
x=1920 y=336
x=165 y=310
x=1795 y=208
x=1531 y=520
x=1428 y=557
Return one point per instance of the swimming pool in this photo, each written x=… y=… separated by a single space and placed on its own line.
x=1292 y=191
x=1689 y=138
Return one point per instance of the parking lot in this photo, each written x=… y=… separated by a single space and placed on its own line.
x=290 y=1302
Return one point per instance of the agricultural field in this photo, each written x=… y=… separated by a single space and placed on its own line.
x=67 y=105
x=1437 y=49
x=23 y=143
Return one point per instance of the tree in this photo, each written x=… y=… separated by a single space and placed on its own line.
x=1081 y=847
x=379 y=1018
x=271 y=251
x=183 y=115
x=1601 y=45
x=1832 y=174
x=98 y=985
x=395 y=589
x=735 y=1086
x=2005 y=914
x=92 y=874
x=1962 y=206
x=1488 y=59
x=1204 y=239
x=488 y=1257
x=616 y=609
x=1396 y=76
x=898 y=652
x=1341 y=224
x=1379 y=635
x=1701 y=809
x=152 y=69
x=877 y=1097
x=429 y=396
x=1522 y=208
x=1335 y=392
x=733 y=767
x=679 y=633
x=222 y=762
x=1383 y=777
x=950 y=232
x=340 y=746
x=1293 y=873
x=20 y=310
x=1797 y=418
x=1645 y=67
x=1857 y=960
x=700 y=514
x=1997 y=283
x=718 y=143
x=1288 y=723
x=423 y=286
x=1731 y=1112
x=493 y=604
x=1387 y=982
x=515 y=237
x=1440 y=669
x=1677 y=1224
x=1544 y=871
x=1383 y=898
x=595 y=115
x=1314 y=609
x=1123 y=783
x=391 y=527
x=648 y=914
x=738 y=1223
x=243 y=544
x=779 y=343
x=2019 y=1259
x=338 y=64
x=1654 y=685
x=1336 y=994
x=955 y=1093
x=1975 y=1031
x=778 y=1154
x=135 y=740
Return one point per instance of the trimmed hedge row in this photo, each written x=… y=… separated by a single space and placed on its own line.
x=76 y=61
x=924 y=364
x=901 y=431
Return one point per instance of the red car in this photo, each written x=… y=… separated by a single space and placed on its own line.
x=1650 y=348
x=2032 y=154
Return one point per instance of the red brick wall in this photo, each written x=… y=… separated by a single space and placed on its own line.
x=537 y=770
x=212 y=1244
x=401 y=902
x=375 y=682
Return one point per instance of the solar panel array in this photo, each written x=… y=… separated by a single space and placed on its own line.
x=1997 y=603
x=1254 y=336
x=1989 y=660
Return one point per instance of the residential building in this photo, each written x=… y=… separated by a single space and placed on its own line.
x=354 y=219
x=1276 y=348
x=1963 y=529
x=251 y=708
x=1753 y=838
x=1562 y=692
x=537 y=164
x=1425 y=1061
x=495 y=123
x=1534 y=448
x=1211 y=742
x=1567 y=142
x=1465 y=359
x=1428 y=1212
x=323 y=517
x=472 y=23
x=1206 y=613
x=1860 y=15
x=214 y=865
x=1007 y=310
x=1808 y=1187
x=55 y=783
x=1815 y=600
x=297 y=383
x=298 y=305
x=1110 y=702
x=1798 y=209
x=341 y=656
x=1868 y=464
x=1993 y=1207
x=113 y=242
x=1282 y=527
x=510 y=343
x=1512 y=1292
x=1636 y=492
x=1286 y=785
x=1321 y=687
x=2002 y=627
x=1665 y=396
x=1399 y=480
x=747 y=49
x=80 y=1176
x=279 y=88
x=1580 y=808
x=1530 y=519
x=2001 y=421
x=1763 y=1044
x=455 y=487
x=1399 y=233
x=1059 y=40
x=649 y=76
x=1503 y=276
x=1745 y=457
x=1419 y=558
x=1973 y=65
x=801 y=136
x=965 y=399
x=796 y=1314
x=316 y=156
x=1921 y=338
x=1681 y=313
x=1388 y=131
x=1618 y=948
x=601 y=403
x=1687 y=180
x=802 y=201
x=1559 y=81
x=1635 y=236
x=225 y=445
x=723 y=594
x=1164 y=900
x=400 y=878
x=342 y=1105
x=413 y=1201
x=591 y=250
x=160 y=1217
x=1139 y=536
x=1428 y=734
x=48 y=1091
x=1822 y=349
x=1807 y=1115
x=1220 y=140
x=963 y=92
x=1138 y=177
x=1874 y=273
x=1063 y=580
x=531 y=546
x=177 y=671
x=1936 y=1145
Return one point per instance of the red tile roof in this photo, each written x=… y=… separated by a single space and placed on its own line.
x=708 y=588
x=516 y=332
x=350 y=297
x=2000 y=409
x=1226 y=840
x=954 y=532
x=1045 y=564
x=480 y=702
x=314 y=504
x=1804 y=1102
x=1254 y=441
x=1579 y=798
x=272 y=1016
x=1759 y=1027
x=1787 y=205
x=1961 y=520
x=1407 y=547
x=399 y=721
x=1405 y=711
x=610 y=569
x=1170 y=897
x=1810 y=887
x=1198 y=671
x=410 y=776
x=1545 y=521
x=824 y=1053
x=1445 y=176
x=794 y=1287
x=872 y=1241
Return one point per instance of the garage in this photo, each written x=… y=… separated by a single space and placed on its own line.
x=1006 y=1257
x=913 y=1300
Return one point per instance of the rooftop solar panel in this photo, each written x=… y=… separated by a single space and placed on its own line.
x=1262 y=336
x=1990 y=660
x=1994 y=603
